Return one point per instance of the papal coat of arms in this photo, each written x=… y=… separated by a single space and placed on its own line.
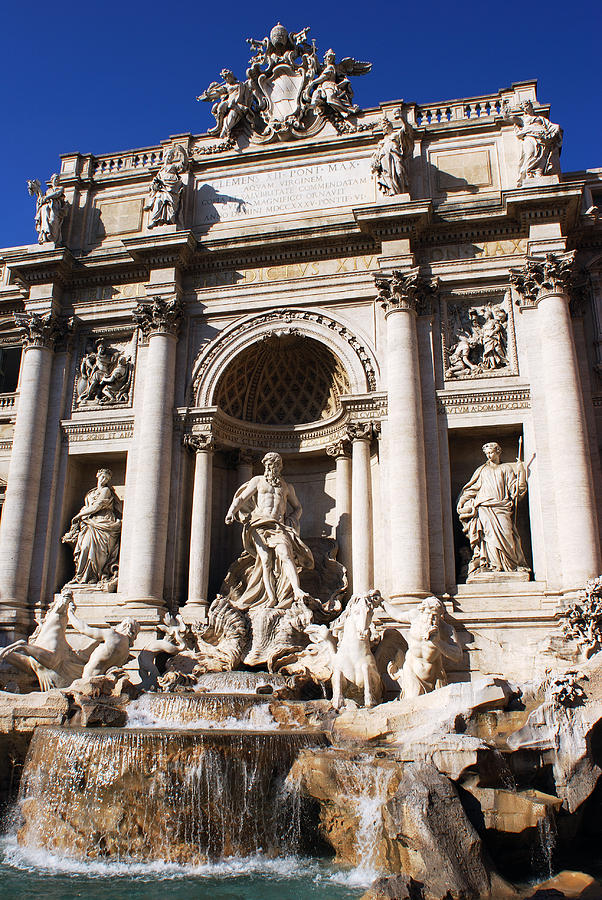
x=288 y=92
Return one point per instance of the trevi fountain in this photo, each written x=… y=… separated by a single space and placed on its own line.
x=300 y=485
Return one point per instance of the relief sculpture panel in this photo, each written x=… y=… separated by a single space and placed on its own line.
x=478 y=340
x=105 y=374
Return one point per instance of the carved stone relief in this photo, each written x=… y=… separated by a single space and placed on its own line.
x=105 y=375
x=478 y=341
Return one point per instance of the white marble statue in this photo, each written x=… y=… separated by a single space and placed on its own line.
x=165 y=195
x=232 y=103
x=331 y=88
x=541 y=141
x=431 y=640
x=51 y=209
x=268 y=571
x=95 y=535
x=391 y=158
x=114 y=642
x=487 y=511
x=47 y=654
x=343 y=653
x=354 y=664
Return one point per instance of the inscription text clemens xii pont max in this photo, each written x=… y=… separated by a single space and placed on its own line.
x=293 y=189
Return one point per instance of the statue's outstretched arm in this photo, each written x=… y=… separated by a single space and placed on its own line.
x=97 y=634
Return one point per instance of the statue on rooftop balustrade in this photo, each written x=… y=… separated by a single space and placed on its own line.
x=390 y=160
x=51 y=209
x=541 y=141
x=165 y=195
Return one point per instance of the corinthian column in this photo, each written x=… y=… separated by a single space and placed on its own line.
x=159 y=322
x=543 y=286
x=203 y=446
x=362 y=548
x=340 y=452
x=23 y=483
x=403 y=295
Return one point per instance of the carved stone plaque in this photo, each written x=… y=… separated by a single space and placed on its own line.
x=316 y=186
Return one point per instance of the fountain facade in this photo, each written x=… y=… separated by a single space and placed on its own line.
x=285 y=523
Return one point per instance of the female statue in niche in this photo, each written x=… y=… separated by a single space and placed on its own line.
x=487 y=510
x=95 y=535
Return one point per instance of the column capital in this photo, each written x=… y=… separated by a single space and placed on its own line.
x=362 y=431
x=339 y=449
x=42 y=330
x=542 y=276
x=408 y=291
x=158 y=316
x=198 y=443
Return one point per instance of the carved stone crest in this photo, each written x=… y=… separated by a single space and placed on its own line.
x=288 y=92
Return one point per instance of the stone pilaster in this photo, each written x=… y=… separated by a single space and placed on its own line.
x=404 y=295
x=362 y=548
x=19 y=513
x=159 y=321
x=203 y=446
x=544 y=285
x=341 y=453
x=244 y=467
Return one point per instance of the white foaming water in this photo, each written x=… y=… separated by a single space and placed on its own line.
x=255 y=718
x=367 y=789
x=41 y=862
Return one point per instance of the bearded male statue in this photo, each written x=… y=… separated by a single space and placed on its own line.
x=267 y=574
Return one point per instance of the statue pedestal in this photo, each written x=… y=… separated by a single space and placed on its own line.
x=98 y=607
x=194 y=611
x=540 y=180
x=502 y=577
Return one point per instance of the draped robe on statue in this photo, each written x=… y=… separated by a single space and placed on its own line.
x=244 y=585
x=486 y=510
x=97 y=547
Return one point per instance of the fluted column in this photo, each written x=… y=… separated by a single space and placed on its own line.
x=203 y=446
x=543 y=286
x=343 y=499
x=404 y=294
x=159 y=321
x=362 y=549
x=23 y=483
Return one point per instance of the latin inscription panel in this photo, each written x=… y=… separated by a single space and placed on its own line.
x=290 y=190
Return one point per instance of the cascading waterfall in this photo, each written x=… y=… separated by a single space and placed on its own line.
x=177 y=796
x=236 y=682
x=368 y=788
x=239 y=711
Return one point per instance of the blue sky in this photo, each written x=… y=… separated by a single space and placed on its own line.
x=106 y=77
